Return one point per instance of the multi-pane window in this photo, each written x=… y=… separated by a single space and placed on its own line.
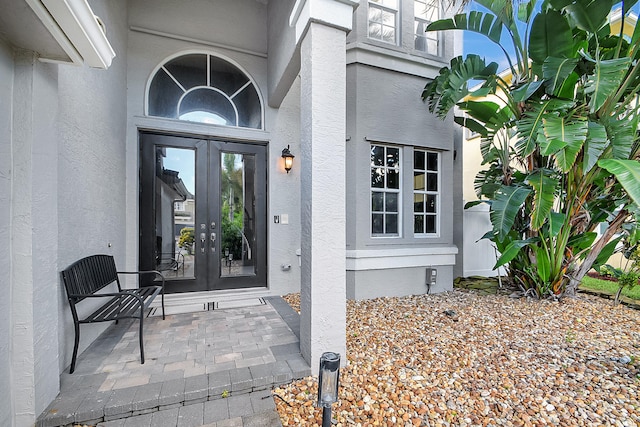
x=383 y=20
x=425 y=12
x=385 y=190
x=426 y=192
x=200 y=87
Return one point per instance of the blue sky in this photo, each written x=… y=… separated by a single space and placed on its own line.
x=478 y=44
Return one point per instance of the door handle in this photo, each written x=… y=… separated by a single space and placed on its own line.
x=213 y=242
x=203 y=241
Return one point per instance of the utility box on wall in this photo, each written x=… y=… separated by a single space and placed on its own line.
x=432 y=274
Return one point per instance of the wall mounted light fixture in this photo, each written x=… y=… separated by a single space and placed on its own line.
x=288 y=159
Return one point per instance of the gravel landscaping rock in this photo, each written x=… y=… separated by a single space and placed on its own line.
x=499 y=362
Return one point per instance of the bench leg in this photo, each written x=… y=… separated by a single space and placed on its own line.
x=141 y=340
x=163 y=318
x=75 y=347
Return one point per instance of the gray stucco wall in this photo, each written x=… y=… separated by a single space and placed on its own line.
x=394 y=282
x=234 y=30
x=284 y=64
x=92 y=158
x=6 y=94
x=31 y=263
x=44 y=227
x=284 y=198
x=384 y=107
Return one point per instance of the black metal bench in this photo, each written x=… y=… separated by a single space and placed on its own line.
x=84 y=278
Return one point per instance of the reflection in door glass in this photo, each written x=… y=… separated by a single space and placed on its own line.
x=175 y=212
x=237 y=214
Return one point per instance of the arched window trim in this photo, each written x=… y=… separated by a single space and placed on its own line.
x=215 y=89
x=162 y=64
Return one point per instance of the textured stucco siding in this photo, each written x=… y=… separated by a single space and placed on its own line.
x=6 y=94
x=222 y=36
x=92 y=157
x=284 y=197
x=395 y=282
x=385 y=107
x=322 y=107
x=44 y=235
x=32 y=251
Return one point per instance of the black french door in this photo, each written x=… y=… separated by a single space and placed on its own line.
x=203 y=212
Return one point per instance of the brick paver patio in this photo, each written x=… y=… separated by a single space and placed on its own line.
x=210 y=368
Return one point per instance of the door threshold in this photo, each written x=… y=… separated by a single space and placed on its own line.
x=204 y=297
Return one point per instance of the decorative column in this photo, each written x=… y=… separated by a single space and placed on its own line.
x=321 y=27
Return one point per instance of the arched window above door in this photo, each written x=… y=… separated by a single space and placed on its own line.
x=200 y=87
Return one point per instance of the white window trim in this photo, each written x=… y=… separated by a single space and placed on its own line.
x=398 y=191
x=438 y=194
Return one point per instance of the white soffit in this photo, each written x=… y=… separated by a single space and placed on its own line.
x=77 y=30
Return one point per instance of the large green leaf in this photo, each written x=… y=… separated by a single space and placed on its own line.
x=555 y=71
x=568 y=88
x=544 y=194
x=627 y=172
x=582 y=241
x=505 y=207
x=572 y=133
x=483 y=111
x=477 y=22
x=543 y=264
x=525 y=10
x=512 y=250
x=635 y=38
x=594 y=146
x=530 y=124
x=471 y=124
x=451 y=85
x=589 y=15
x=605 y=81
x=525 y=91
x=606 y=253
x=528 y=128
x=622 y=134
x=550 y=37
x=556 y=221
x=487 y=182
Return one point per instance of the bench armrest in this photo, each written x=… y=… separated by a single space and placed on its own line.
x=139 y=273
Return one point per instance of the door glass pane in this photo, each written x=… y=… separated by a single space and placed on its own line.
x=237 y=214
x=175 y=201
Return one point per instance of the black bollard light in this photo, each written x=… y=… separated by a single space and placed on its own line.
x=328 y=384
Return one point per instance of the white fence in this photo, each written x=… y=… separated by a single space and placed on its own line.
x=479 y=255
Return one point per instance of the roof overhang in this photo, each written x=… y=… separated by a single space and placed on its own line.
x=62 y=31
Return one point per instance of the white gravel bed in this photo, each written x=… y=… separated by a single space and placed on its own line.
x=465 y=359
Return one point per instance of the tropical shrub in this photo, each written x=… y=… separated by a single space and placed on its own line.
x=559 y=133
x=187 y=238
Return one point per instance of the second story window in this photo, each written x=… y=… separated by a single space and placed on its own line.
x=425 y=12
x=383 y=20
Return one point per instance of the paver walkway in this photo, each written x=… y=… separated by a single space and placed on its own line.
x=213 y=368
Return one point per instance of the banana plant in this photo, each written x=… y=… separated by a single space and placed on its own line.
x=559 y=132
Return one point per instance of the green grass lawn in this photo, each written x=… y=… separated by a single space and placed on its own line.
x=609 y=287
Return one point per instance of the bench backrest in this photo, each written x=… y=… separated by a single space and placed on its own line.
x=89 y=275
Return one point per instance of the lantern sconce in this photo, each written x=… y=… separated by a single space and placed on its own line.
x=328 y=382
x=288 y=159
